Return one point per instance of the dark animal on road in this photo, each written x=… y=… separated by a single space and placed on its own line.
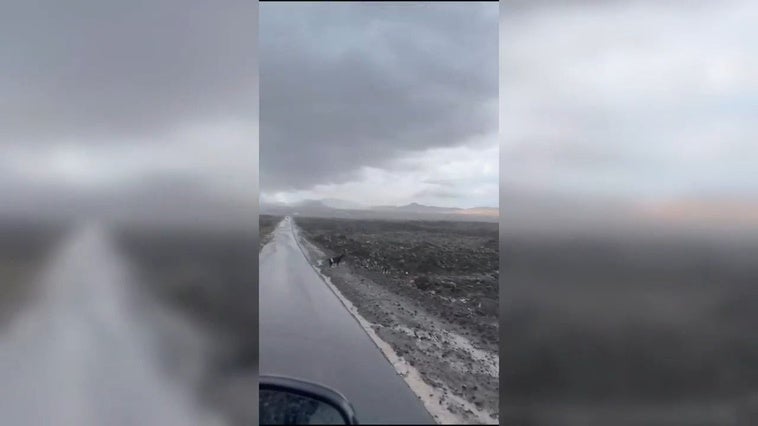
x=334 y=261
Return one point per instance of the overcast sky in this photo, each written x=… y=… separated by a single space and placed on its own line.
x=379 y=103
x=110 y=96
x=633 y=99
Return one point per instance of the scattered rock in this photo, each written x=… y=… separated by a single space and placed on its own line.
x=422 y=283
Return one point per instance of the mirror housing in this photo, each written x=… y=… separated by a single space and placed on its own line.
x=284 y=400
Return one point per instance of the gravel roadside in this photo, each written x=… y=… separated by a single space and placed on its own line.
x=453 y=369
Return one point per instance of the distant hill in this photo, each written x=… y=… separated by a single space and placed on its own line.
x=417 y=208
x=326 y=208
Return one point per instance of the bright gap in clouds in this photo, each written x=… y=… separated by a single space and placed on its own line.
x=200 y=152
x=463 y=176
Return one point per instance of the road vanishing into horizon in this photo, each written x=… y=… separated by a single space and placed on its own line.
x=307 y=333
x=85 y=351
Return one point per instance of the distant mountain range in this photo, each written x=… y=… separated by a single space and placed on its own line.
x=346 y=209
x=555 y=214
x=418 y=208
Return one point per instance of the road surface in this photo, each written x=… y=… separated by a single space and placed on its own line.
x=306 y=332
x=82 y=353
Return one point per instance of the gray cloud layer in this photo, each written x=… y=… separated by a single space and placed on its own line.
x=105 y=70
x=117 y=98
x=350 y=85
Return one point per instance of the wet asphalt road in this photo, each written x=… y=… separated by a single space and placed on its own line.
x=306 y=332
x=83 y=352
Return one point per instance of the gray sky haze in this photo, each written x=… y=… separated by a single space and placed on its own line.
x=379 y=103
x=637 y=100
x=108 y=98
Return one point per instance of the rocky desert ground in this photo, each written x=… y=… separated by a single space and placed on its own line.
x=430 y=291
x=644 y=326
x=208 y=276
x=24 y=248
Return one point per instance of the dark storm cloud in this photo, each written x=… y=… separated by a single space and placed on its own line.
x=351 y=85
x=102 y=71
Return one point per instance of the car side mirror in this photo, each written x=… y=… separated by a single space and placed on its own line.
x=286 y=401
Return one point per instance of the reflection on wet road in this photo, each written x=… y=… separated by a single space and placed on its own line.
x=306 y=333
